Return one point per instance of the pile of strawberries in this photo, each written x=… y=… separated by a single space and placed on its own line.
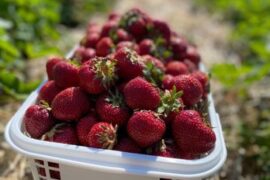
x=132 y=85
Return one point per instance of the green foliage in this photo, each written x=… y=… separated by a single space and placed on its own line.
x=250 y=40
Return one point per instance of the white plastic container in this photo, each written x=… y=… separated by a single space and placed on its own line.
x=83 y=163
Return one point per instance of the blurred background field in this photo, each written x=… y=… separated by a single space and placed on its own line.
x=233 y=38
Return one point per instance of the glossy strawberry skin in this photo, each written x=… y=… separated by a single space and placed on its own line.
x=108 y=27
x=83 y=54
x=155 y=61
x=191 y=87
x=176 y=68
x=51 y=64
x=84 y=126
x=70 y=104
x=110 y=113
x=37 y=121
x=127 y=145
x=168 y=81
x=66 y=74
x=104 y=46
x=48 y=91
x=146 y=46
x=191 y=134
x=145 y=128
x=162 y=29
x=140 y=94
x=91 y=40
x=179 y=47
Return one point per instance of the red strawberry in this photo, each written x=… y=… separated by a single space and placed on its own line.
x=97 y=75
x=185 y=155
x=102 y=135
x=70 y=104
x=111 y=109
x=140 y=94
x=93 y=28
x=190 y=65
x=51 y=64
x=179 y=47
x=66 y=74
x=193 y=55
x=114 y=16
x=120 y=87
x=203 y=78
x=104 y=46
x=191 y=134
x=191 y=87
x=162 y=29
x=127 y=145
x=120 y=35
x=84 y=126
x=108 y=27
x=168 y=81
x=127 y=44
x=176 y=68
x=62 y=133
x=145 y=128
x=90 y=40
x=164 y=150
x=129 y=63
x=146 y=46
x=170 y=105
x=48 y=91
x=158 y=64
x=83 y=54
x=38 y=120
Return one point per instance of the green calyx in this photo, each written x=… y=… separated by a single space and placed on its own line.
x=115 y=98
x=161 y=51
x=45 y=105
x=170 y=102
x=128 y=19
x=133 y=56
x=152 y=73
x=105 y=69
x=107 y=137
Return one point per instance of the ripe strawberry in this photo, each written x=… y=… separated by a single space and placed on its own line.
x=191 y=87
x=114 y=16
x=66 y=74
x=111 y=109
x=161 y=28
x=120 y=35
x=48 y=91
x=108 y=27
x=185 y=155
x=90 y=40
x=165 y=150
x=191 y=134
x=84 y=126
x=203 y=78
x=176 y=68
x=179 y=47
x=168 y=81
x=70 y=104
x=104 y=47
x=38 y=120
x=190 y=65
x=98 y=74
x=51 y=64
x=193 y=55
x=127 y=44
x=83 y=54
x=145 y=128
x=170 y=105
x=158 y=64
x=92 y=28
x=127 y=145
x=129 y=63
x=140 y=94
x=146 y=46
x=102 y=135
x=62 y=133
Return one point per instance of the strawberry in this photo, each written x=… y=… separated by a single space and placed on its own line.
x=51 y=64
x=193 y=55
x=158 y=64
x=170 y=105
x=108 y=27
x=83 y=54
x=191 y=134
x=48 y=91
x=120 y=35
x=66 y=74
x=127 y=145
x=179 y=47
x=191 y=87
x=104 y=47
x=120 y=87
x=62 y=133
x=111 y=109
x=38 y=120
x=114 y=16
x=146 y=46
x=161 y=29
x=128 y=44
x=140 y=94
x=168 y=81
x=165 y=150
x=90 y=40
x=129 y=63
x=84 y=126
x=70 y=104
x=190 y=65
x=185 y=155
x=203 y=78
x=176 y=68
x=102 y=135
x=92 y=28
x=145 y=128
x=98 y=74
